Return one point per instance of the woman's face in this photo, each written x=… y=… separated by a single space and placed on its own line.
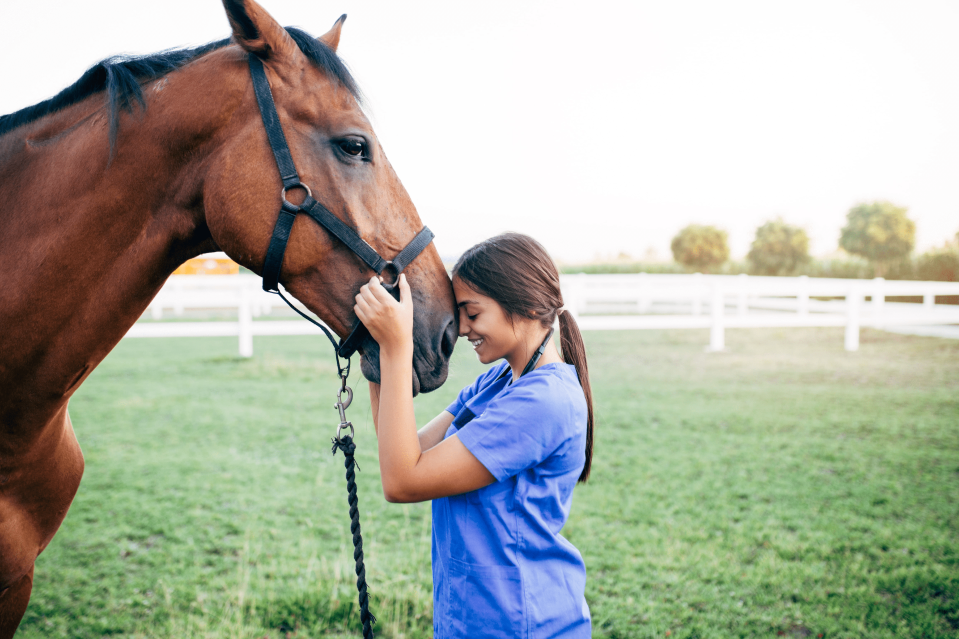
x=486 y=325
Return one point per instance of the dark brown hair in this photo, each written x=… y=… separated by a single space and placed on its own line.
x=517 y=272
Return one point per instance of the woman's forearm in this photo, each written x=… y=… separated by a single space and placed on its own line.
x=375 y=405
x=399 y=446
x=429 y=436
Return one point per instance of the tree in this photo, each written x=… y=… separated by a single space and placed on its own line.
x=779 y=249
x=700 y=247
x=879 y=232
x=940 y=264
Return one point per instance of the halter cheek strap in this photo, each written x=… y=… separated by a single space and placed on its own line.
x=318 y=213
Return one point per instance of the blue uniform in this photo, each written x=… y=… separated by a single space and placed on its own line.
x=500 y=566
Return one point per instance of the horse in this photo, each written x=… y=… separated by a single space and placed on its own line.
x=142 y=164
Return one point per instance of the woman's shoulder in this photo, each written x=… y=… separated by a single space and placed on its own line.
x=555 y=387
x=556 y=375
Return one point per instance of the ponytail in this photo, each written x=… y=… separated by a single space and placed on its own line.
x=574 y=352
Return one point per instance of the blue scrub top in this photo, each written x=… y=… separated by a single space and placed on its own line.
x=500 y=566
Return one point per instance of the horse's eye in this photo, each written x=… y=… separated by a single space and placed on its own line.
x=352 y=146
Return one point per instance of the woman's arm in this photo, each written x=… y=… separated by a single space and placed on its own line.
x=408 y=473
x=429 y=436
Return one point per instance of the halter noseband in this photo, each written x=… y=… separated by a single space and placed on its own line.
x=320 y=214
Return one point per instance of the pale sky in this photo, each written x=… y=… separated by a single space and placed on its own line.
x=602 y=127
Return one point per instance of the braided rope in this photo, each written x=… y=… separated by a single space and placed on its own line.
x=346 y=444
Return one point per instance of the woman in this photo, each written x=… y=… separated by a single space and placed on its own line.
x=501 y=462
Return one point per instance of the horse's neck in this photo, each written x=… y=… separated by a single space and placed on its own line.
x=86 y=246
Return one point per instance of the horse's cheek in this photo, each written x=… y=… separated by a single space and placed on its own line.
x=234 y=215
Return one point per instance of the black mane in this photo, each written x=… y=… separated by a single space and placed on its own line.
x=121 y=78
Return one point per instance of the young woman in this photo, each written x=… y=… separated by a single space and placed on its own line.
x=501 y=462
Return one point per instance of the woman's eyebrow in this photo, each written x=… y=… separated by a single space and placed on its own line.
x=465 y=302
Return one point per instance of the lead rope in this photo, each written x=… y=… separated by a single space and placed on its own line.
x=345 y=443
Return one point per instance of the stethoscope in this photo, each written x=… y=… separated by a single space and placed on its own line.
x=532 y=360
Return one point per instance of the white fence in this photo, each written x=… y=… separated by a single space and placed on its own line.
x=243 y=293
x=608 y=302
x=717 y=302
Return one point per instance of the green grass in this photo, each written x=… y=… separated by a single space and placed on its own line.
x=782 y=488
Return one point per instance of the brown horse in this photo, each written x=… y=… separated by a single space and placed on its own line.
x=143 y=163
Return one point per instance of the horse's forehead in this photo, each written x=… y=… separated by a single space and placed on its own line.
x=320 y=98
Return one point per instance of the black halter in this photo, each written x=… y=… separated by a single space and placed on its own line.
x=321 y=215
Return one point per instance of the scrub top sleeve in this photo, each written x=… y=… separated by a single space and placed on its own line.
x=520 y=428
x=470 y=391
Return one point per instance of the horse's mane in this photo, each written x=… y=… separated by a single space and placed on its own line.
x=121 y=78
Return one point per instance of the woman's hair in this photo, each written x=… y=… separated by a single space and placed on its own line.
x=517 y=272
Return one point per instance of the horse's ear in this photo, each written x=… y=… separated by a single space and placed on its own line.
x=256 y=31
x=332 y=37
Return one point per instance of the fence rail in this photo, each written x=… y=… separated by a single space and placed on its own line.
x=609 y=302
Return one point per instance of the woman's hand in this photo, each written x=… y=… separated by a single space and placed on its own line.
x=390 y=322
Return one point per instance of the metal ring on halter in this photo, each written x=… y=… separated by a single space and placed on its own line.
x=299 y=185
x=396 y=275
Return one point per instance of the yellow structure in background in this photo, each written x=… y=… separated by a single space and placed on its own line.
x=209 y=264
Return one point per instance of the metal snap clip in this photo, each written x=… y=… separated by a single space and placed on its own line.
x=341 y=406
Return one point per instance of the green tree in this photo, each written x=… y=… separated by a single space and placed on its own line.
x=879 y=232
x=700 y=247
x=779 y=249
x=940 y=264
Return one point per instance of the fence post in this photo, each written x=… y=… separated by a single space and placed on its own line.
x=246 y=321
x=928 y=300
x=642 y=293
x=256 y=308
x=853 y=299
x=742 y=306
x=803 y=298
x=697 y=293
x=878 y=299
x=717 y=330
x=156 y=306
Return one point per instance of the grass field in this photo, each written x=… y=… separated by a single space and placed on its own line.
x=782 y=488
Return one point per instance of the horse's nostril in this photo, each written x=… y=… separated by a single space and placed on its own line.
x=449 y=338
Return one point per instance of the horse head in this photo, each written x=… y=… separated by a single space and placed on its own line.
x=340 y=159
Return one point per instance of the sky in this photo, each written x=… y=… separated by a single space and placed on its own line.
x=603 y=127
